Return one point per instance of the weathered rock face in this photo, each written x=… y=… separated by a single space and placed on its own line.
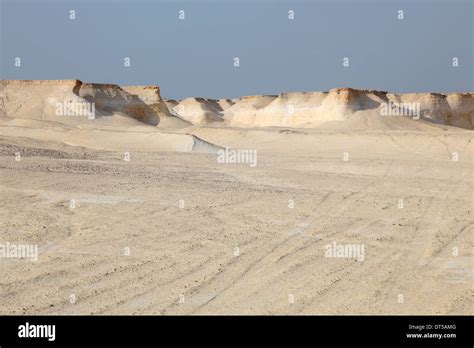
x=453 y=109
x=150 y=96
x=50 y=100
x=462 y=106
x=198 y=111
x=224 y=104
x=37 y=99
x=351 y=105
x=354 y=108
x=244 y=111
x=303 y=109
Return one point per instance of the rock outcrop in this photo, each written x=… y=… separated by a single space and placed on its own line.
x=53 y=100
x=353 y=108
x=198 y=111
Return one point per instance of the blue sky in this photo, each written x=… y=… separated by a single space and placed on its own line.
x=195 y=56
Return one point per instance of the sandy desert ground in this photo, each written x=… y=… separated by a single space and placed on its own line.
x=173 y=231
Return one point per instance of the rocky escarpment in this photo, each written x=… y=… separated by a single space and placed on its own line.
x=198 y=111
x=52 y=100
x=351 y=108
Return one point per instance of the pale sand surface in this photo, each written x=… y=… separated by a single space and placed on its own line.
x=220 y=238
x=190 y=251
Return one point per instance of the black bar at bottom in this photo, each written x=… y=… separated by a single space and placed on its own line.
x=223 y=330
